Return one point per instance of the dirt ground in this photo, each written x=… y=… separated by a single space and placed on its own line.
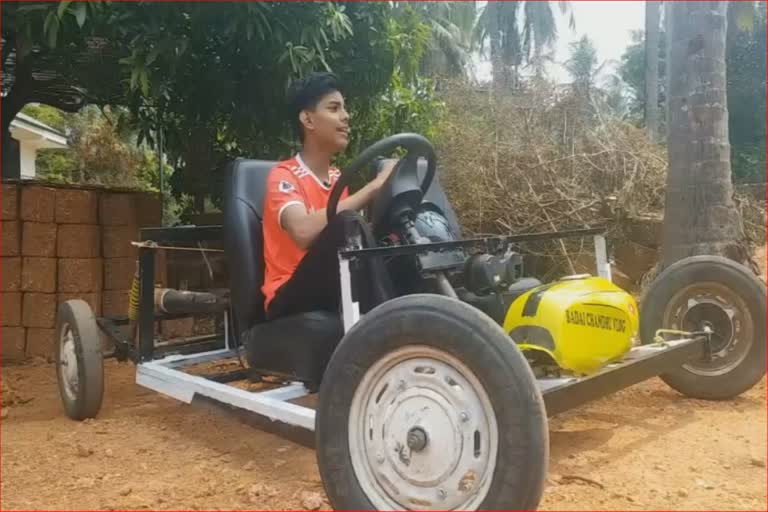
x=646 y=447
x=643 y=448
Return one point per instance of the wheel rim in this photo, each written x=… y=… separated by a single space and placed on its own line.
x=422 y=432
x=68 y=362
x=719 y=308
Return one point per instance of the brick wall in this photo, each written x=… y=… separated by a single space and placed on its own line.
x=60 y=243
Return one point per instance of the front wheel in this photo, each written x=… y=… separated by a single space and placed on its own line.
x=427 y=404
x=716 y=293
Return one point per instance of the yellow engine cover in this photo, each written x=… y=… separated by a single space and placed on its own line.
x=582 y=322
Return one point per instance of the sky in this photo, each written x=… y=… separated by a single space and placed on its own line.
x=608 y=24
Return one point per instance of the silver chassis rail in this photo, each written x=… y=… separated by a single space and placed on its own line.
x=167 y=375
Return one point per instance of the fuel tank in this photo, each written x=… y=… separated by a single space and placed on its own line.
x=581 y=322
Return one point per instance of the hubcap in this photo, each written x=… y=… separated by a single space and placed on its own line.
x=68 y=362
x=718 y=308
x=422 y=432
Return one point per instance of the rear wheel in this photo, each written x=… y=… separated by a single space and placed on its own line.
x=79 y=360
x=427 y=404
x=716 y=293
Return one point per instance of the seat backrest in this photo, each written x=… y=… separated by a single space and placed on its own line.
x=245 y=189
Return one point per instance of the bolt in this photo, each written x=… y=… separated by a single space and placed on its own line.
x=380 y=458
x=464 y=417
x=401 y=385
x=441 y=494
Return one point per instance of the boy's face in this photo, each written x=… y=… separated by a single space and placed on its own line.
x=328 y=123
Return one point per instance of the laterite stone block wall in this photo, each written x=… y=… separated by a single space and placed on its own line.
x=61 y=243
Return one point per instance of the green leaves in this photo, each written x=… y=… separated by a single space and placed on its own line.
x=80 y=12
x=744 y=14
x=337 y=22
x=214 y=74
x=63 y=7
x=51 y=28
x=138 y=64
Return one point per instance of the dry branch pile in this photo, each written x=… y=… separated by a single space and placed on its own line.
x=544 y=160
x=750 y=199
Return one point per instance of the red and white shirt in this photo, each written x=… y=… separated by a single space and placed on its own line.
x=290 y=182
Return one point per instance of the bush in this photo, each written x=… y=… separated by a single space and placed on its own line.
x=543 y=159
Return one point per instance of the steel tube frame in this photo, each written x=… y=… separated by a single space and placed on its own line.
x=146 y=303
x=167 y=375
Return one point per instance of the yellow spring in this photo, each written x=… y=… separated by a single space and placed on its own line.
x=133 y=298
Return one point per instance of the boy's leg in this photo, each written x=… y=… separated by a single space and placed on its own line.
x=315 y=282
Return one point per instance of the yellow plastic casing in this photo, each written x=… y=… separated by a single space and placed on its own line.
x=581 y=322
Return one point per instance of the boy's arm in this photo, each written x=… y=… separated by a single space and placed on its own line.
x=304 y=227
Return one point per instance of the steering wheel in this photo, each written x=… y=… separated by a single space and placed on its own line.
x=416 y=146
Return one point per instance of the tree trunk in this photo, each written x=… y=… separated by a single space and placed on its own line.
x=652 y=17
x=13 y=102
x=667 y=46
x=494 y=35
x=199 y=164
x=700 y=216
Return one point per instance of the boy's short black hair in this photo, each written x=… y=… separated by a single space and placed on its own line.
x=305 y=94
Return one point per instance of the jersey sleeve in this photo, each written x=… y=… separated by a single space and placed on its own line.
x=282 y=192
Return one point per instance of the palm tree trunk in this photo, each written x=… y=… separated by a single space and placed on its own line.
x=700 y=216
x=494 y=35
x=667 y=52
x=652 y=16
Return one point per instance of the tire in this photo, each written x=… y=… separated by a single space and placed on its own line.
x=78 y=340
x=499 y=406
x=739 y=346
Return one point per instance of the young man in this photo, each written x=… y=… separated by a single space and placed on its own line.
x=300 y=247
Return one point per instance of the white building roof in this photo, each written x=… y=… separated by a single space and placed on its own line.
x=27 y=129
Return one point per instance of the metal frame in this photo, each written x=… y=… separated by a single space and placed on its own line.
x=167 y=375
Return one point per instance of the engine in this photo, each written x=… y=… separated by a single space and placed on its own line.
x=486 y=273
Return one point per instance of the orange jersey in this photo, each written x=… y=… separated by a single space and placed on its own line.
x=290 y=182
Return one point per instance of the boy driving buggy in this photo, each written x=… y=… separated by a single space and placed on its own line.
x=300 y=246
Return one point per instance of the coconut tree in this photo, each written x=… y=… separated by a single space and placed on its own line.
x=516 y=32
x=700 y=215
x=652 y=18
x=451 y=25
x=583 y=67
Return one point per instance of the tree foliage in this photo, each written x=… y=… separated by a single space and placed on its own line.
x=211 y=77
x=583 y=65
x=632 y=72
x=450 y=44
x=516 y=33
x=46 y=114
x=103 y=150
x=745 y=59
x=220 y=96
x=59 y=54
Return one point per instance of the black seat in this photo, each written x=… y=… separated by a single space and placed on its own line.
x=297 y=346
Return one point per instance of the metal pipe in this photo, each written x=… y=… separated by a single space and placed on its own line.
x=187 y=340
x=445 y=286
x=146 y=303
x=161 y=173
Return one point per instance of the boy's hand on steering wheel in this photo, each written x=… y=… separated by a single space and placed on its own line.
x=386 y=169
